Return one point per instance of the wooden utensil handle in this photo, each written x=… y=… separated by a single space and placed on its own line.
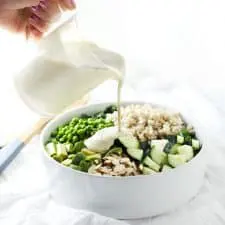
x=37 y=128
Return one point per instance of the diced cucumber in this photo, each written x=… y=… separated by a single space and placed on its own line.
x=174 y=149
x=176 y=160
x=67 y=162
x=69 y=147
x=195 y=144
x=180 y=139
x=151 y=164
x=61 y=152
x=147 y=171
x=129 y=141
x=187 y=151
x=159 y=144
x=135 y=153
x=166 y=168
x=159 y=157
x=93 y=157
x=51 y=149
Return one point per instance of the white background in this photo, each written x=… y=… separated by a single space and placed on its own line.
x=174 y=40
x=167 y=43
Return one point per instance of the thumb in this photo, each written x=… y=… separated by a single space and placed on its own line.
x=15 y=4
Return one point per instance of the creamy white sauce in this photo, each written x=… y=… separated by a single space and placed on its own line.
x=102 y=140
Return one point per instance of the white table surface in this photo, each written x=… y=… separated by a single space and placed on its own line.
x=167 y=44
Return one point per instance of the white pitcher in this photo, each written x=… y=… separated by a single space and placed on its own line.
x=66 y=69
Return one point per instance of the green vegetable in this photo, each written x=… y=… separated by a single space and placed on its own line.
x=180 y=139
x=61 y=152
x=67 y=162
x=78 y=158
x=186 y=151
x=93 y=157
x=87 y=151
x=85 y=165
x=71 y=156
x=195 y=144
x=158 y=156
x=51 y=149
x=129 y=141
x=166 y=168
x=135 y=153
x=172 y=139
x=159 y=145
x=78 y=146
x=174 y=149
x=117 y=151
x=187 y=136
x=75 y=139
x=151 y=164
x=69 y=147
x=176 y=160
x=147 y=171
x=75 y=167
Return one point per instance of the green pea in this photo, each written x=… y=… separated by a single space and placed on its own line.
x=60 y=133
x=81 y=131
x=67 y=132
x=71 y=129
x=82 y=126
x=62 y=140
x=102 y=120
x=75 y=139
x=69 y=137
x=88 y=128
x=90 y=120
x=101 y=126
x=75 y=120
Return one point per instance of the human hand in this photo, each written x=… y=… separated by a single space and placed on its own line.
x=31 y=17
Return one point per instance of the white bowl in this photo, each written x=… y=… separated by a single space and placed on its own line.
x=121 y=197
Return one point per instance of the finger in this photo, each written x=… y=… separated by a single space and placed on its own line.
x=34 y=33
x=15 y=4
x=38 y=23
x=67 y=4
x=46 y=12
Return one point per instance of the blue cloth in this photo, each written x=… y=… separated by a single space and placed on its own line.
x=9 y=152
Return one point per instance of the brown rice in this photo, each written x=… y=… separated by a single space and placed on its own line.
x=147 y=122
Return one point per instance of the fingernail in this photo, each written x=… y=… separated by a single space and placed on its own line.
x=36 y=8
x=43 y=5
x=35 y=18
x=71 y=4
